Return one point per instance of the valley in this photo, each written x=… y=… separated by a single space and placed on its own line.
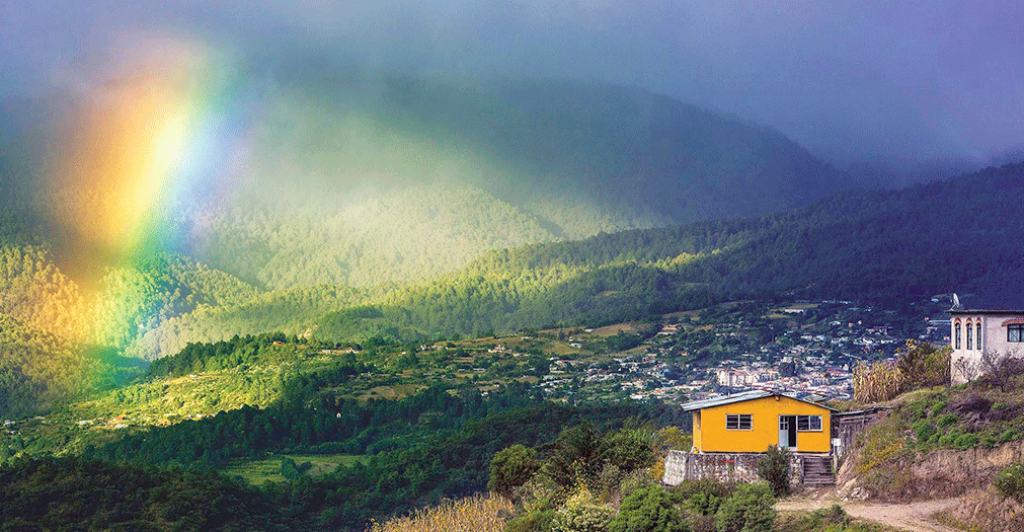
x=511 y=267
x=329 y=405
x=664 y=360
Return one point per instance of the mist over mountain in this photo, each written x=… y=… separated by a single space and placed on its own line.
x=360 y=180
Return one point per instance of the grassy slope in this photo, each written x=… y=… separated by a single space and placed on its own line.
x=258 y=472
x=939 y=442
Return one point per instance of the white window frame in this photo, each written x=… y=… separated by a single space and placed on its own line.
x=807 y=423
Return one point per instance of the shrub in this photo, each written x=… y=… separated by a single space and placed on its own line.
x=532 y=521
x=510 y=468
x=749 y=509
x=967 y=441
x=628 y=449
x=702 y=497
x=669 y=438
x=1009 y=435
x=650 y=509
x=833 y=515
x=576 y=456
x=541 y=493
x=774 y=469
x=292 y=471
x=690 y=488
x=635 y=481
x=923 y=430
x=607 y=482
x=702 y=523
x=923 y=364
x=582 y=514
x=657 y=471
x=831 y=519
x=1010 y=482
x=704 y=503
x=946 y=420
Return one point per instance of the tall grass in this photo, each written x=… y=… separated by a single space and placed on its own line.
x=472 y=514
x=880 y=381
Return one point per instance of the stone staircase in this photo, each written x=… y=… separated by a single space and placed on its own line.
x=817 y=471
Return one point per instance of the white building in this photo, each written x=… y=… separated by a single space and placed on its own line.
x=978 y=326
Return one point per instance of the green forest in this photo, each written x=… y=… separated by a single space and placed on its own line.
x=886 y=247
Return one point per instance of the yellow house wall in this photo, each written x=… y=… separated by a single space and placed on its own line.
x=696 y=429
x=714 y=437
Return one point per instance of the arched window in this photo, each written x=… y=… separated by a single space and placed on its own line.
x=970 y=337
x=978 y=336
x=956 y=336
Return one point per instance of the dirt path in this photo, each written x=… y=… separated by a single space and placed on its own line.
x=914 y=516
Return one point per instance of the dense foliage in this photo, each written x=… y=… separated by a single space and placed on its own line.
x=50 y=494
x=774 y=468
x=232 y=353
x=649 y=508
x=894 y=249
x=510 y=468
x=432 y=445
x=1010 y=482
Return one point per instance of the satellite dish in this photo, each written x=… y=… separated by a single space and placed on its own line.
x=956 y=301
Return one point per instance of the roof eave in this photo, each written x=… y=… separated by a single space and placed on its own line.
x=711 y=403
x=983 y=311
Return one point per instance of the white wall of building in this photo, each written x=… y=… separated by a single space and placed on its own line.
x=993 y=338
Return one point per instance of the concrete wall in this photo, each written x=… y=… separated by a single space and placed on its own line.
x=993 y=338
x=724 y=467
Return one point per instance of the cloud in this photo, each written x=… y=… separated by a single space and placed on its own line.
x=892 y=84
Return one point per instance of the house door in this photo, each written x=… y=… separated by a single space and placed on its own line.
x=787 y=431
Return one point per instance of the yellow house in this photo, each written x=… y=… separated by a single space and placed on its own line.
x=749 y=422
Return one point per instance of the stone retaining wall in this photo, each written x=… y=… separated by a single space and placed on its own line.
x=723 y=467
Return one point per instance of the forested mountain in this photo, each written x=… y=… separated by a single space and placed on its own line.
x=305 y=189
x=365 y=211
x=884 y=247
x=342 y=177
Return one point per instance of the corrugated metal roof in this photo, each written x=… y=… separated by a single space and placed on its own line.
x=726 y=399
x=743 y=396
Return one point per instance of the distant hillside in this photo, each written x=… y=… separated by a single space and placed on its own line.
x=363 y=180
x=884 y=247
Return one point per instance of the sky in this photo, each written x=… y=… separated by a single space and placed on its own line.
x=890 y=87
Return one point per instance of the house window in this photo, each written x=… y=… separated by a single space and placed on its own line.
x=956 y=337
x=978 y=336
x=1015 y=333
x=738 y=422
x=970 y=337
x=808 y=423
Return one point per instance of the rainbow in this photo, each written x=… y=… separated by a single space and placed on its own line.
x=145 y=147
x=164 y=139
